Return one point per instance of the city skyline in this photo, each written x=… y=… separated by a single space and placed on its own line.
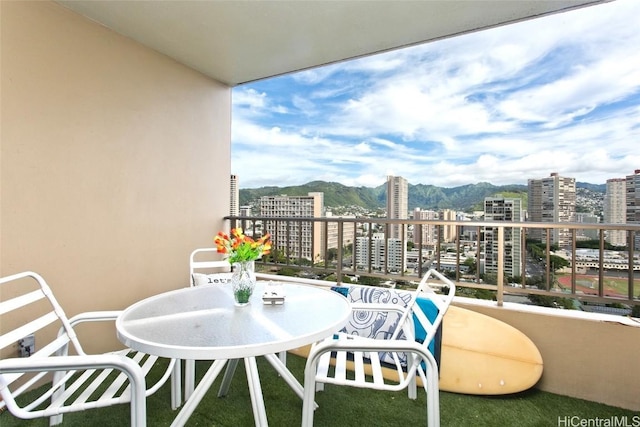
x=555 y=94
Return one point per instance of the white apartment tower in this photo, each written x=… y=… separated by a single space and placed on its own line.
x=379 y=255
x=633 y=203
x=300 y=239
x=501 y=209
x=552 y=199
x=615 y=210
x=234 y=208
x=397 y=205
x=426 y=234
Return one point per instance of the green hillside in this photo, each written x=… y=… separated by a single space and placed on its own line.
x=464 y=198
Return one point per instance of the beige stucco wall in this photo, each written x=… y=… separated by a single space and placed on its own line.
x=114 y=160
x=592 y=357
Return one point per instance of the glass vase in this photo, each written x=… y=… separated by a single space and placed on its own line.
x=243 y=281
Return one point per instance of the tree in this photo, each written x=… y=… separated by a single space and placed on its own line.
x=549 y=301
x=490 y=278
x=369 y=281
x=471 y=263
x=402 y=284
x=348 y=249
x=331 y=278
x=449 y=274
x=558 y=262
x=346 y=279
x=476 y=293
x=287 y=271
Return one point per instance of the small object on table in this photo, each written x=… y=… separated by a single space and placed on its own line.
x=273 y=293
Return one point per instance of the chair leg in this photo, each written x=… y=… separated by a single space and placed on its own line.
x=432 y=387
x=189 y=378
x=55 y=420
x=309 y=394
x=57 y=376
x=228 y=376
x=176 y=387
x=412 y=389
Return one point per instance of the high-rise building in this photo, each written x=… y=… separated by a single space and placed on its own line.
x=615 y=210
x=379 y=255
x=397 y=205
x=300 y=239
x=501 y=209
x=552 y=199
x=348 y=228
x=449 y=232
x=234 y=209
x=633 y=202
x=426 y=234
x=587 y=218
x=250 y=228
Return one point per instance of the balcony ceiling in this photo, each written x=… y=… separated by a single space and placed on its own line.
x=236 y=42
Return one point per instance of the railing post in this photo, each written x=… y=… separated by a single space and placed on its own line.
x=458 y=232
x=523 y=256
x=601 y=266
x=548 y=261
x=339 y=251
x=573 y=260
x=478 y=254
x=500 y=293
x=630 y=270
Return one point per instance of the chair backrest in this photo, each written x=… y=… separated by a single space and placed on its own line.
x=424 y=310
x=27 y=308
x=205 y=270
x=429 y=307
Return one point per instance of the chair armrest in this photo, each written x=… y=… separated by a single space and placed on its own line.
x=64 y=363
x=370 y=306
x=94 y=316
x=350 y=343
x=355 y=343
x=89 y=316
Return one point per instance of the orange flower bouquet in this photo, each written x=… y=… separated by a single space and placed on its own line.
x=238 y=247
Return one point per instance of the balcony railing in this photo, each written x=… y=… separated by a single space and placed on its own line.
x=346 y=247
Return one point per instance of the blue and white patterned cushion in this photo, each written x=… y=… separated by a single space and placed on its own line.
x=382 y=325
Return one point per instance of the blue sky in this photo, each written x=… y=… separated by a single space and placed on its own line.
x=555 y=94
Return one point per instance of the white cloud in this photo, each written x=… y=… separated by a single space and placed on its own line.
x=557 y=94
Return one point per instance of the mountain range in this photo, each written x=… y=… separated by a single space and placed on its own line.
x=463 y=198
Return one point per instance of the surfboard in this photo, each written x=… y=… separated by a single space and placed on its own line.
x=485 y=356
x=481 y=355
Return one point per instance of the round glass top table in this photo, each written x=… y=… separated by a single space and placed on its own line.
x=203 y=323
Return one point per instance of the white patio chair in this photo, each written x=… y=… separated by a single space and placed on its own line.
x=207 y=271
x=73 y=382
x=203 y=270
x=380 y=345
